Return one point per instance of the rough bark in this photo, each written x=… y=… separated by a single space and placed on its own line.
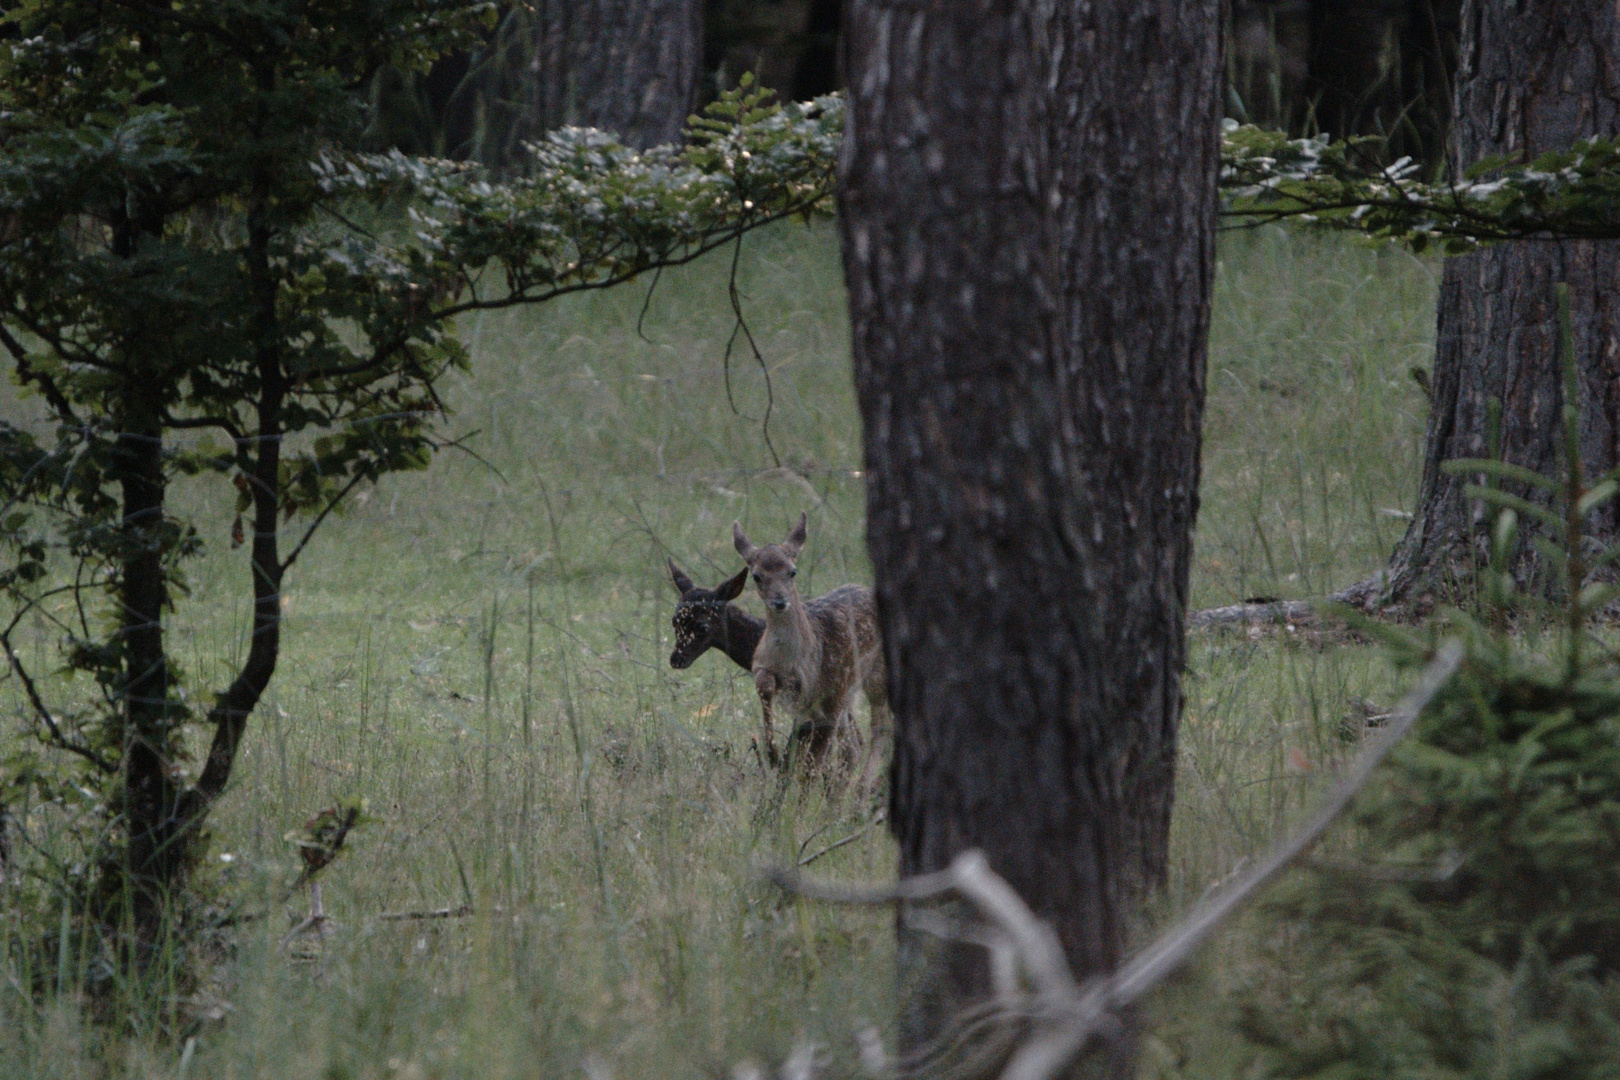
x=1028 y=211
x=631 y=67
x=1532 y=78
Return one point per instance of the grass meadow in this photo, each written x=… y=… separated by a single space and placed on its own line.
x=481 y=652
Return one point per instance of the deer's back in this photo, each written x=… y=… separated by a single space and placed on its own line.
x=846 y=621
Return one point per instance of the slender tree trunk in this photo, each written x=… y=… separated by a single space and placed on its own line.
x=1029 y=275
x=162 y=818
x=232 y=708
x=631 y=67
x=1533 y=77
x=149 y=716
x=150 y=794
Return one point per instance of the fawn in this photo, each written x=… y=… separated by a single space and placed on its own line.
x=815 y=655
x=707 y=619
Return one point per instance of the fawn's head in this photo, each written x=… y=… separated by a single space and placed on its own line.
x=772 y=566
x=700 y=617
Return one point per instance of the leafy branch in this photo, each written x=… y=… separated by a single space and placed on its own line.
x=591 y=213
x=1574 y=193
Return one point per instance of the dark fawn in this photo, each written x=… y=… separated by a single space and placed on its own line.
x=707 y=619
x=816 y=655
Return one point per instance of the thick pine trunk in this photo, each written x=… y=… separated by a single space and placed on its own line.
x=631 y=67
x=1029 y=275
x=1533 y=78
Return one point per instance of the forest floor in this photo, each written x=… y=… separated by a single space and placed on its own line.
x=481 y=651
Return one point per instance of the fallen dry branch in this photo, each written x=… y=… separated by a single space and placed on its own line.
x=1059 y=1016
x=1363 y=594
x=1274 y=611
x=876 y=820
x=459 y=912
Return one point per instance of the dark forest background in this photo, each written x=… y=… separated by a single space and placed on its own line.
x=1346 y=67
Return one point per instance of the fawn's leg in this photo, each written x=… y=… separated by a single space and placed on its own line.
x=816 y=734
x=765 y=687
x=851 y=747
x=880 y=747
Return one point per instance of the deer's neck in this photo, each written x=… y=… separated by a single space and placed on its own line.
x=741 y=633
x=793 y=639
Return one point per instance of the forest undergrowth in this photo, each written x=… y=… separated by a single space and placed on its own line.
x=480 y=652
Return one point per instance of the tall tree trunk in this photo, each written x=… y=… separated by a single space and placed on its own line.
x=631 y=67
x=1029 y=281
x=1532 y=78
x=147 y=713
x=232 y=707
x=150 y=718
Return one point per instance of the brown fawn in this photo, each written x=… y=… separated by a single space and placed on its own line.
x=815 y=655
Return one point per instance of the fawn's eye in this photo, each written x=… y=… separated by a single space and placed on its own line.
x=758 y=580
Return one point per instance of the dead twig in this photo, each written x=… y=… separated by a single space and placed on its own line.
x=1059 y=1015
x=316 y=923
x=876 y=819
x=460 y=911
x=1271 y=611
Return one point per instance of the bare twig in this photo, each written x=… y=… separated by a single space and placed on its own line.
x=1172 y=947
x=57 y=737
x=354 y=482
x=1264 y=612
x=460 y=443
x=877 y=819
x=647 y=303
x=316 y=921
x=741 y=327
x=1061 y=1015
x=461 y=911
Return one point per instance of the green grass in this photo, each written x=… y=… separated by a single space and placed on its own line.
x=481 y=651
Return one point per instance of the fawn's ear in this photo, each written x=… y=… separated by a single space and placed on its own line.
x=683 y=584
x=795 y=539
x=745 y=547
x=730 y=590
